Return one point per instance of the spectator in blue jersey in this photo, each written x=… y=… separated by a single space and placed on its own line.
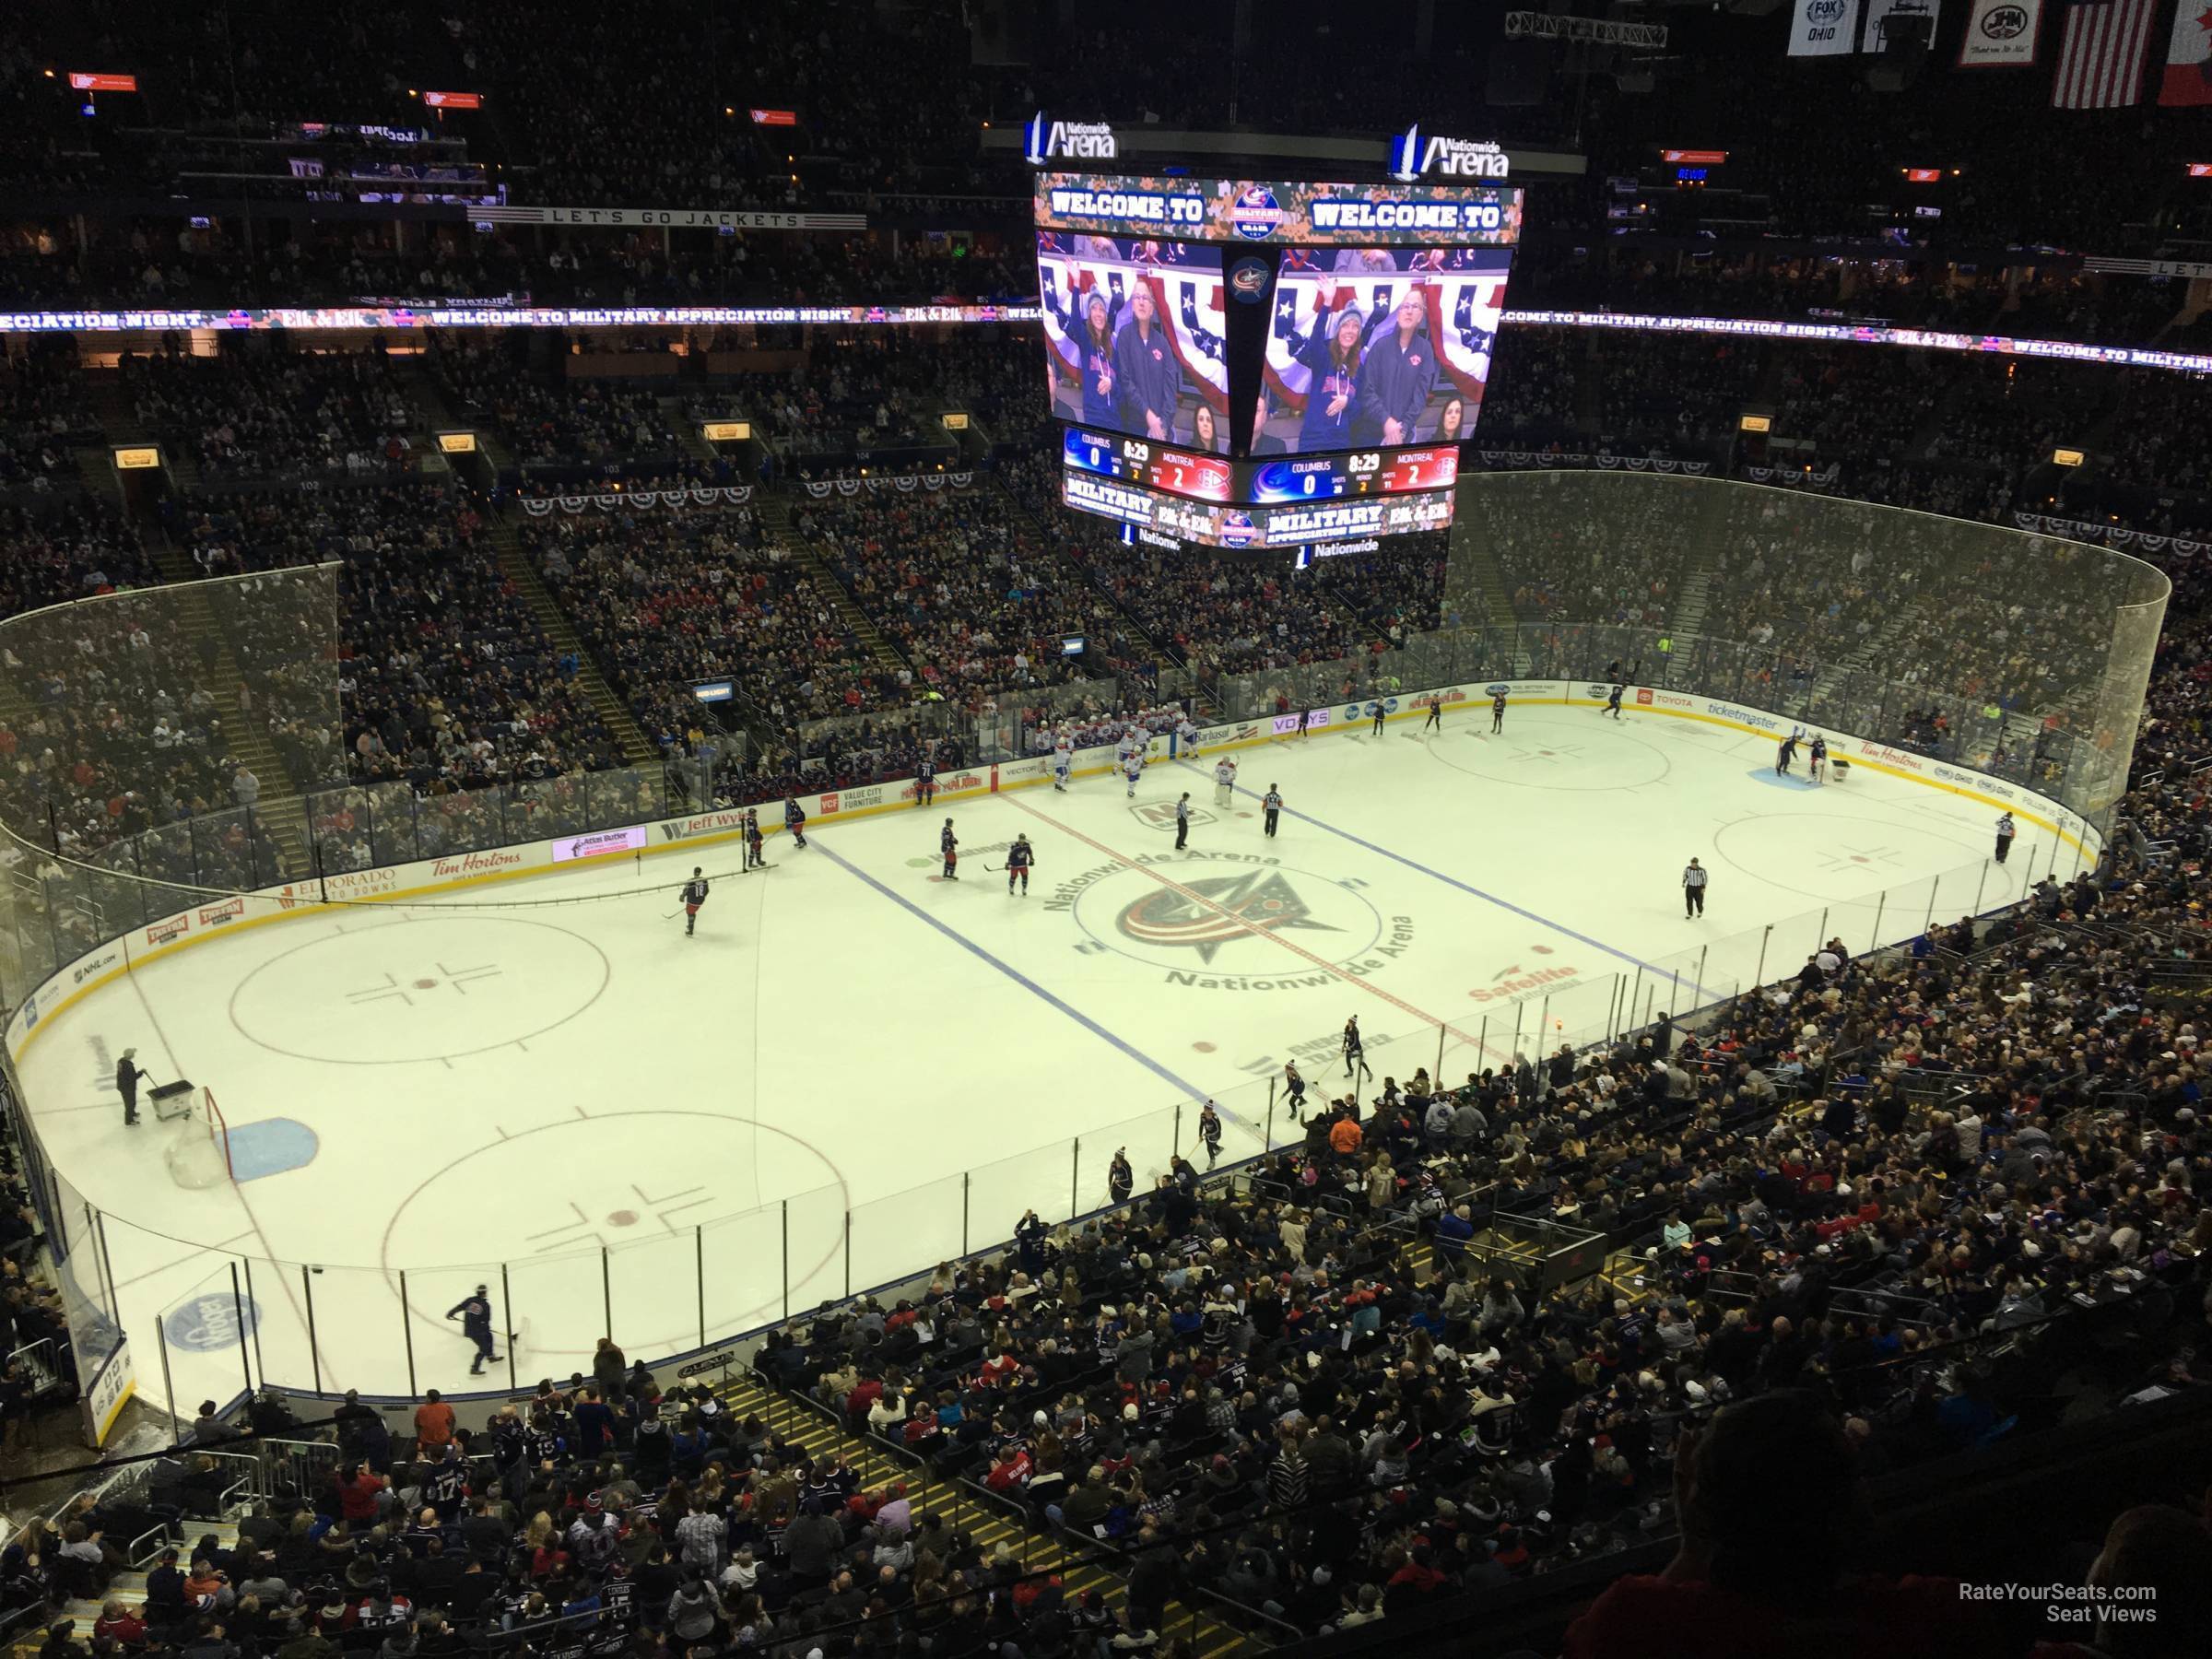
x=1396 y=377
x=1147 y=378
x=1332 y=355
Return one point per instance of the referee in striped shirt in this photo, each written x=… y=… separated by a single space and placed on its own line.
x=1693 y=890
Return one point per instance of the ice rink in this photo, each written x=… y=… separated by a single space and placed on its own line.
x=856 y=1066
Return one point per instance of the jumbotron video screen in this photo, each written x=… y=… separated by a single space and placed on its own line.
x=1252 y=365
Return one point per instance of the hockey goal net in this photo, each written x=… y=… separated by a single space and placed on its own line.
x=199 y=1146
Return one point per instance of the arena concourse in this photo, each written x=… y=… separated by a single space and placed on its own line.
x=660 y=1001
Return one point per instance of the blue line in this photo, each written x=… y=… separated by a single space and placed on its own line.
x=1183 y=1087
x=1505 y=905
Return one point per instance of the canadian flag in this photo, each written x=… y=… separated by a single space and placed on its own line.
x=2189 y=55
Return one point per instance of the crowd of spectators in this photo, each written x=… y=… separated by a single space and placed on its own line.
x=43 y=411
x=961 y=586
x=258 y=412
x=666 y=601
x=445 y=679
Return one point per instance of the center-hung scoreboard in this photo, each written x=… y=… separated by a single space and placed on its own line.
x=1269 y=365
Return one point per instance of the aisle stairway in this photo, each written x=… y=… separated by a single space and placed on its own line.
x=279 y=809
x=777 y=526
x=128 y=1586
x=637 y=749
x=967 y=1510
x=421 y=387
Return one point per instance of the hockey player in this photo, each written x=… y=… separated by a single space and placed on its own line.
x=1133 y=768
x=1186 y=736
x=1375 y=709
x=1272 y=805
x=695 y=895
x=473 y=1312
x=1225 y=780
x=1183 y=821
x=1064 y=764
x=1497 y=711
x=1355 y=1051
x=1296 y=1085
x=1819 y=757
x=1785 y=754
x=2007 y=829
x=1302 y=713
x=949 y=845
x=1209 y=1132
x=1019 y=858
x=1613 y=704
x=794 y=820
x=754 y=841
x=1435 y=723
x=925 y=783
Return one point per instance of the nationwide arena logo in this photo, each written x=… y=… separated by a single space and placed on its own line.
x=1411 y=159
x=1255 y=214
x=1077 y=140
x=1203 y=915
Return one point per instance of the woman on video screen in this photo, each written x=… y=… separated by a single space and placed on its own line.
x=1147 y=377
x=1332 y=354
x=1397 y=376
x=1451 y=425
x=1096 y=343
x=1205 y=431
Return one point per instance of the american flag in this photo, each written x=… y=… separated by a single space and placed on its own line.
x=2100 y=60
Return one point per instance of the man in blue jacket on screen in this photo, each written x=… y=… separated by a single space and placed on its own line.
x=1397 y=377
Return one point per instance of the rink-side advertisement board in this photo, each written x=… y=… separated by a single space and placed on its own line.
x=114 y=957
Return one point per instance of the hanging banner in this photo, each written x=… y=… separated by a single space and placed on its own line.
x=2101 y=54
x=674 y=218
x=2111 y=536
x=641 y=501
x=1824 y=29
x=2188 y=78
x=1882 y=29
x=2001 y=34
x=821 y=488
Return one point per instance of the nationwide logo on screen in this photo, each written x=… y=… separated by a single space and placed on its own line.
x=1078 y=140
x=1411 y=159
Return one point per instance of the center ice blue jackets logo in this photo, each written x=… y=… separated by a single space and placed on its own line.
x=1218 y=911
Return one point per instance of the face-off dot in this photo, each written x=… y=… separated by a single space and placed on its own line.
x=622 y=1219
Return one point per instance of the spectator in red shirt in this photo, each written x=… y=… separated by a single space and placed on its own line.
x=433 y=1423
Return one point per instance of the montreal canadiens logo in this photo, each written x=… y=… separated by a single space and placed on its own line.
x=1217 y=912
x=1255 y=214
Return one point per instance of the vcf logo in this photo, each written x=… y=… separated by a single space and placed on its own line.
x=1205 y=916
